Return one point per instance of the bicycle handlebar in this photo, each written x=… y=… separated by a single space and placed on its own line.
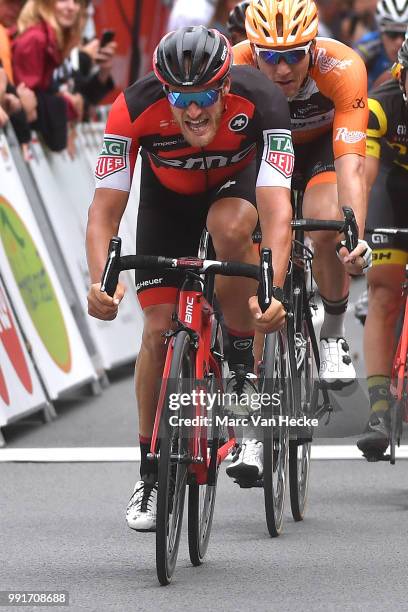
x=348 y=226
x=115 y=264
x=388 y=231
x=264 y=274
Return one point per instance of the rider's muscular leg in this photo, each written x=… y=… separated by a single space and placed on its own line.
x=231 y=222
x=321 y=202
x=385 y=301
x=150 y=363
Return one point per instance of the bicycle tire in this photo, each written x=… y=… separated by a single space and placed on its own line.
x=275 y=378
x=395 y=427
x=301 y=354
x=172 y=476
x=201 y=497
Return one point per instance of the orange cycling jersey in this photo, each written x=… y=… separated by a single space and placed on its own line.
x=333 y=97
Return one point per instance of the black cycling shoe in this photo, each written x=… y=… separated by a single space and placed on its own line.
x=375 y=441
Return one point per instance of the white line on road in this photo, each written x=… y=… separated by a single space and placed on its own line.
x=113 y=454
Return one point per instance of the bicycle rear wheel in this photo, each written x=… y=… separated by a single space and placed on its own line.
x=276 y=383
x=173 y=462
x=303 y=380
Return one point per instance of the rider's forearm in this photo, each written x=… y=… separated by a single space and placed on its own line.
x=275 y=215
x=351 y=185
x=103 y=223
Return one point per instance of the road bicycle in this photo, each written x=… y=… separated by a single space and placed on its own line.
x=189 y=444
x=295 y=361
x=399 y=374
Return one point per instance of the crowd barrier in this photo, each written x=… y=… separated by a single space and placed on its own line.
x=48 y=343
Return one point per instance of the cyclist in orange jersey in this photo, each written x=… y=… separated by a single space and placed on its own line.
x=325 y=83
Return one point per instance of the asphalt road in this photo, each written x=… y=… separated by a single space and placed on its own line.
x=62 y=525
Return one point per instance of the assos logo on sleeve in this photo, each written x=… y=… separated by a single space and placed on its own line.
x=279 y=151
x=114 y=155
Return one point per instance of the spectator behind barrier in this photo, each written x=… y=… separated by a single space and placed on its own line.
x=88 y=71
x=25 y=111
x=48 y=31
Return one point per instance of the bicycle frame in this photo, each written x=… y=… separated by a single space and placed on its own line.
x=400 y=359
x=196 y=314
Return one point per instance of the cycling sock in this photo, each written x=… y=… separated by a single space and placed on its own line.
x=334 y=315
x=147 y=466
x=241 y=345
x=379 y=393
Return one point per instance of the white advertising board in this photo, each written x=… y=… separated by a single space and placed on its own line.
x=20 y=389
x=66 y=189
x=34 y=288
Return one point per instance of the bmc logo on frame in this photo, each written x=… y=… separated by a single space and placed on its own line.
x=113 y=157
x=349 y=136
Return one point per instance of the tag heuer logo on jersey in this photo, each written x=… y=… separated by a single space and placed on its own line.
x=113 y=157
x=238 y=123
x=280 y=154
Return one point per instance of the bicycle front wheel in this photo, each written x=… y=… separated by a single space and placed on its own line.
x=302 y=360
x=173 y=462
x=276 y=383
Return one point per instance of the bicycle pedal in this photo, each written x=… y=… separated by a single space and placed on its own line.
x=249 y=484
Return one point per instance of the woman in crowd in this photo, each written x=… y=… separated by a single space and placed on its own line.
x=48 y=30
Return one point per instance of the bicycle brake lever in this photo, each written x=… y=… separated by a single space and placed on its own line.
x=110 y=276
x=266 y=280
x=350 y=229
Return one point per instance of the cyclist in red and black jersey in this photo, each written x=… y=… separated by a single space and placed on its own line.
x=216 y=150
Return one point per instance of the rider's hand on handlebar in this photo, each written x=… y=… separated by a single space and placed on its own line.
x=269 y=321
x=101 y=305
x=358 y=261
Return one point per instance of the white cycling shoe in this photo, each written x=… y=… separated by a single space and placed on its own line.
x=141 y=509
x=247 y=463
x=240 y=388
x=336 y=367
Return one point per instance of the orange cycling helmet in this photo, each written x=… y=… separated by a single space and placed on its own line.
x=281 y=23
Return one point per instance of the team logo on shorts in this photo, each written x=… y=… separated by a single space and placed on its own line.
x=113 y=157
x=238 y=123
x=279 y=153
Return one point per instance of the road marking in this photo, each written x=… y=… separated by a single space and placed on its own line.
x=58 y=455
x=114 y=454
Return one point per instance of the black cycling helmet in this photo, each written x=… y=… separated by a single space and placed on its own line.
x=236 y=19
x=192 y=56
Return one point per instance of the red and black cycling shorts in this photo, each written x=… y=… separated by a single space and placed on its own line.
x=170 y=224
